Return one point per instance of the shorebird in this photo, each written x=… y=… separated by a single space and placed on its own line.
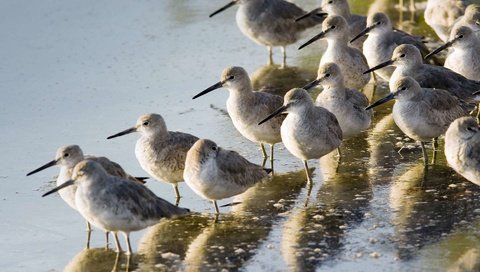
x=271 y=22
x=116 y=204
x=341 y=8
x=161 y=153
x=408 y=62
x=67 y=157
x=348 y=105
x=351 y=61
x=465 y=56
x=471 y=19
x=423 y=114
x=215 y=173
x=441 y=15
x=382 y=40
x=462 y=142
x=308 y=131
x=246 y=108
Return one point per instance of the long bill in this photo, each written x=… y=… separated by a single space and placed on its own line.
x=209 y=89
x=311 y=84
x=315 y=12
x=121 y=133
x=381 y=101
x=43 y=167
x=273 y=114
x=362 y=33
x=231 y=4
x=380 y=66
x=314 y=39
x=63 y=185
x=441 y=48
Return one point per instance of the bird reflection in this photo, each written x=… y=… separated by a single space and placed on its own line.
x=277 y=80
x=316 y=234
x=100 y=259
x=165 y=244
x=427 y=206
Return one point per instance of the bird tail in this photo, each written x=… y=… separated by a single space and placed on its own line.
x=268 y=170
x=141 y=180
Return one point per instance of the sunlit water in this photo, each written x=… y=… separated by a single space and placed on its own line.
x=76 y=72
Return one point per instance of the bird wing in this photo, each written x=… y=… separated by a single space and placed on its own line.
x=357 y=98
x=444 y=106
x=401 y=37
x=237 y=169
x=266 y=104
x=285 y=14
x=173 y=152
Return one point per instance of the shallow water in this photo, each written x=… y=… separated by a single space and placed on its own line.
x=76 y=72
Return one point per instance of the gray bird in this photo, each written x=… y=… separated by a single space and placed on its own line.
x=408 y=62
x=421 y=113
x=462 y=143
x=67 y=157
x=382 y=39
x=215 y=173
x=115 y=204
x=308 y=131
x=271 y=22
x=160 y=152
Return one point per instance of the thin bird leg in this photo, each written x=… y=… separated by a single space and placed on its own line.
x=117 y=243
x=89 y=233
x=425 y=155
x=106 y=239
x=264 y=152
x=435 y=147
x=339 y=152
x=309 y=178
x=117 y=258
x=271 y=156
x=177 y=192
x=284 y=55
x=216 y=206
x=127 y=239
x=270 y=55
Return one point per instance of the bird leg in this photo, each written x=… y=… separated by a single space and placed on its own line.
x=271 y=157
x=284 y=57
x=216 y=207
x=106 y=239
x=270 y=55
x=117 y=243
x=309 y=178
x=89 y=233
x=435 y=147
x=264 y=152
x=177 y=193
x=127 y=239
x=425 y=155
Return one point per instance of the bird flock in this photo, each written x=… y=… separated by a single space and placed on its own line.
x=431 y=101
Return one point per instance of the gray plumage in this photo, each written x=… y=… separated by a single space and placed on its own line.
x=348 y=105
x=408 y=62
x=462 y=143
x=215 y=173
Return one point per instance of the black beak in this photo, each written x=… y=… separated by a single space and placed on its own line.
x=364 y=32
x=316 y=12
x=381 y=101
x=125 y=132
x=381 y=65
x=211 y=88
x=273 y=114
x=315 y=38
x=311 y=84
x=231 y=4
x=50 y=164
x=441 y=48
x=66 y=184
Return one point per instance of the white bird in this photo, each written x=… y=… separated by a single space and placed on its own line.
x=215 y=173
x=116 y=204
x=308 y=131
x=160 y=152
x=462 y=142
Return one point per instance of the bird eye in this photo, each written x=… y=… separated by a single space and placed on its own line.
x=327 y=75
x=330 y=2
x=403 y=88
x=377 y=23
x=66 y=155
x=402 y=55
x=471 y=129
x=231 y=77
x=145 y=123
x=214 y=148
x=460 y=36
x=333 y=27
